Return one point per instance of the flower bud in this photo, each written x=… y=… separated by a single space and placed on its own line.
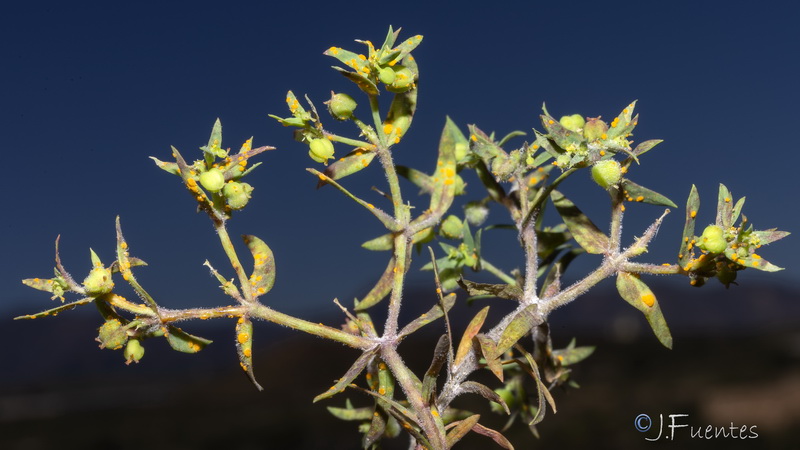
x=320 y=150
x=133 y=351
x=212 y=180
x=461 y=150
x=607 y=173
x=574 y=122
x=713 y=240
x=112 y=335
x=237 y=194
x=594 y=129
x=341 y=106
x=98 y=282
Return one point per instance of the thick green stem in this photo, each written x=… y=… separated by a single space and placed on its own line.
x=227 y=245
x=317 y=329
x=410 y=387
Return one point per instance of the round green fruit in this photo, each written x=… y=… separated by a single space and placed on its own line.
x=133 y=351
x=574 y=122
x=98 y=282
x=112 y=335
x=212 y=180
x=607 y=173
x=237 y=194
x=320 y=150
x=594 y=129
x=403 y=79
x=452 y=227
x=713 y=240
x=341 y=106
x=386 y=75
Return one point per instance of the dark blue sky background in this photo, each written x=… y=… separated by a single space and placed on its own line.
x=88 y=92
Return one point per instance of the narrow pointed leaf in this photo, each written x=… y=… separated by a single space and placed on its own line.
x=445 y=174
x=642 y=194
x=621 y=125
x=351 y=374
x=542 y=390
x=349 y=414
x=485 y=392
x=490 y=354
x=380 y=243
x=123 y=259
x=768 y=236
x=473 y=328
x=506 y=291
x=519 y=326
x=184 y=342
x=638 y=294
x=350 y=164
x=244 y=346
x=692 y=207
x=418 y=178
x=724 y=207
x=646 y=146
x=460 y=429
x=54 y=311
x=363 y=83
x=573 y=355
x=586 y=233
x=434 y=313
x=263 y=277
x=494 y=435
x=737 y=210
x=380 y=290
x=440 y=353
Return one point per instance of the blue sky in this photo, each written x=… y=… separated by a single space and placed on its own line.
x=89 y=92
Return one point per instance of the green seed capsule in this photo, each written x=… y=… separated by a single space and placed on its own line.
x=212 y=180
x=403 y=79
x=98 y=282
x=713 y=239
x=112 y=335
x=452 y=227
x=607 y=173
x=386 y=75
x=320 y=150
x=237 y=194
x=133 y=351
x=574 y=122
x=594 y=129
x=341 y=106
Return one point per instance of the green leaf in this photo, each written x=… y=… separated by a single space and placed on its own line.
x=54 y=311
x=184 y=342
x=638 y=294
x=724 y=207
x=461 y=428
x=646 y=146
x=473 y=328
x=642 y=194
x=380 y=290
x=351 y=374
x=692 y=207
x=363 y=83
x=573 y=355
x=519 y=326
x=496 y=436
x=444 y=178
x=768 y=236
x=355 y=161
x=491 y=355
x=485 y=392
x=507 y=291
x=244 y=346
x=420 y=179
x=586 y=233
x=351 y=413
x=263 y=276
x=380 y=243
x=440 y=353
x=434 y=313
x=625 y=122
